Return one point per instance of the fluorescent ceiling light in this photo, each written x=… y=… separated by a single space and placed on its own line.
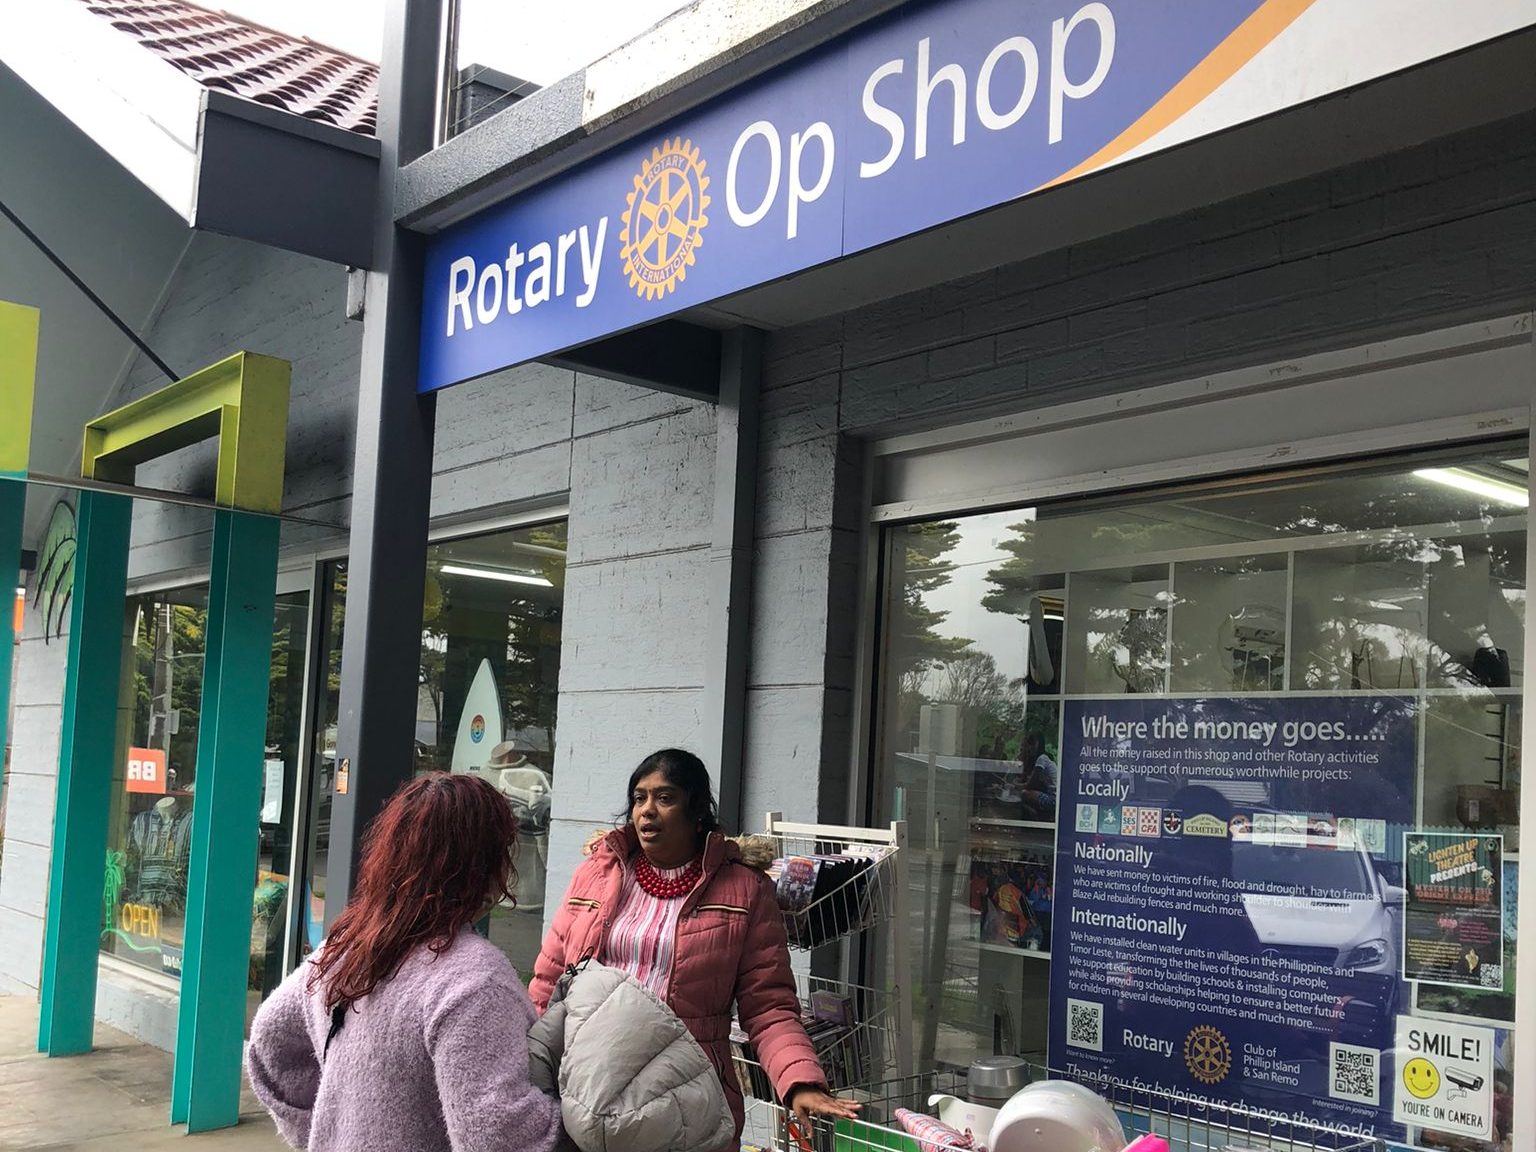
x=1465 y=481
x=492 y=574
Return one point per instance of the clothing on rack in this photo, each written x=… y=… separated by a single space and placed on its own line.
x=159 y=848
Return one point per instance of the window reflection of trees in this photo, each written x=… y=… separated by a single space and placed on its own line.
x=916 y=647
x=1376 y=581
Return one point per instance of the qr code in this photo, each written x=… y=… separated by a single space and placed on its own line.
x=1085 y=1025
x=1492 y=975
x=1354 y=1073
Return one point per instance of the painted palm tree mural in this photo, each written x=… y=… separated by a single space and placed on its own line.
x=55 y=570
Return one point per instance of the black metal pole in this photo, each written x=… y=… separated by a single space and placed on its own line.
x=392 y=469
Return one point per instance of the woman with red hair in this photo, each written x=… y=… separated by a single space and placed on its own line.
x=406 y=1030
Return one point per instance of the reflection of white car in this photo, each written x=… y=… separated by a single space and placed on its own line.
x=1349 y=918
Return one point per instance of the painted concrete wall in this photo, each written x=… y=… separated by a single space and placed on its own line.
x=228 y=296
x=38 y=698
x=632 y=655
x=637 y=470
x=1420 y=238
x=109 y=229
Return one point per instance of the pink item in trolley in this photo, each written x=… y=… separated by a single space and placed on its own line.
x=935 y=1135
x=1147 y=1143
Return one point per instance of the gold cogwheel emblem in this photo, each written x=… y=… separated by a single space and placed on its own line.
x=664 y=219
x=1207 y=1054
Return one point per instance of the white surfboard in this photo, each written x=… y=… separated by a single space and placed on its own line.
x=480 y=727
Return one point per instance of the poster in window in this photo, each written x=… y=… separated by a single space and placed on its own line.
x=1236 y=937
x=146 y=771
x=1482 y=1003
x=1453 y=931
x=272 y=791
x=1501 y=1138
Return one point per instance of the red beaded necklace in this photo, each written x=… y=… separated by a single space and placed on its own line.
x=666 y=887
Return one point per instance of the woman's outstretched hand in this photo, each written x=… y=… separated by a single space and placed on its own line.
x=807 y=1100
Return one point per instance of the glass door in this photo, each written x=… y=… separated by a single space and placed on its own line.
x=282 y=769
x=306 y=913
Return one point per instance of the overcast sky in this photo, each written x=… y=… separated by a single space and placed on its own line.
x=538 y=40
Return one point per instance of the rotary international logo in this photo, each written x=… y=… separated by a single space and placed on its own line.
x=1207 y=1054
x=664 y=220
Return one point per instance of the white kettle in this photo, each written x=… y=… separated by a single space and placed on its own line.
x=1056 y=1116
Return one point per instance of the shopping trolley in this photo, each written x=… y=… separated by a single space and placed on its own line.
x=1187 y=1124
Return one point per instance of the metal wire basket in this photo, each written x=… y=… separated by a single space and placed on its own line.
x=856 y=1042
x=834 y=881
x=1187 y=1125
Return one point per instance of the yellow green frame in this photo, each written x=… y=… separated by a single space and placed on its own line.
x=243 y=400
x=18 y=383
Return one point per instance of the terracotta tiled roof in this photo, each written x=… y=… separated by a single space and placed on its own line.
x=226 y=52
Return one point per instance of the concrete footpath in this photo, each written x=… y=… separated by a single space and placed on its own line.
x=117 y=1097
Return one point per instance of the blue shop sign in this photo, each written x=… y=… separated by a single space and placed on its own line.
x=939 y=111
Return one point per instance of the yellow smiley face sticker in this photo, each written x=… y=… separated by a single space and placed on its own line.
x=1421 y=1078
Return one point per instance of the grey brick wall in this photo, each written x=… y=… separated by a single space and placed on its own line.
x=804 y=601
x=632 y=650
x=1421 y=238
x=504 y=440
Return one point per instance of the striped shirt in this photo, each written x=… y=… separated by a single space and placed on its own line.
x=643 y=935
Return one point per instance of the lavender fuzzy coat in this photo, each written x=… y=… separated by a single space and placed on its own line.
x=435 y=1059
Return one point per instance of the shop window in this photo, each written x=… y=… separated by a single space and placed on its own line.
x=488 y=685
x=1218 y=788
x=150 y=829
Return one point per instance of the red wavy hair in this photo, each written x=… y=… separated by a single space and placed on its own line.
x=432 y=862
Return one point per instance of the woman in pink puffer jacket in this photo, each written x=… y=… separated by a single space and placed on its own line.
x=670 y=900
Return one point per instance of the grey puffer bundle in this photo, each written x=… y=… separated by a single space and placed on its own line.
x=629 y=1075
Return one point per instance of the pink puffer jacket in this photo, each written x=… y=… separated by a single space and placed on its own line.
x=730 y=948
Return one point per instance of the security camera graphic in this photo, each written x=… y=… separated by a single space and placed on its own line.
x=1462 y=1082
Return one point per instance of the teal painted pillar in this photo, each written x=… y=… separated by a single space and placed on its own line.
x=226 y=813
x=13 y=503
x=87 y=748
